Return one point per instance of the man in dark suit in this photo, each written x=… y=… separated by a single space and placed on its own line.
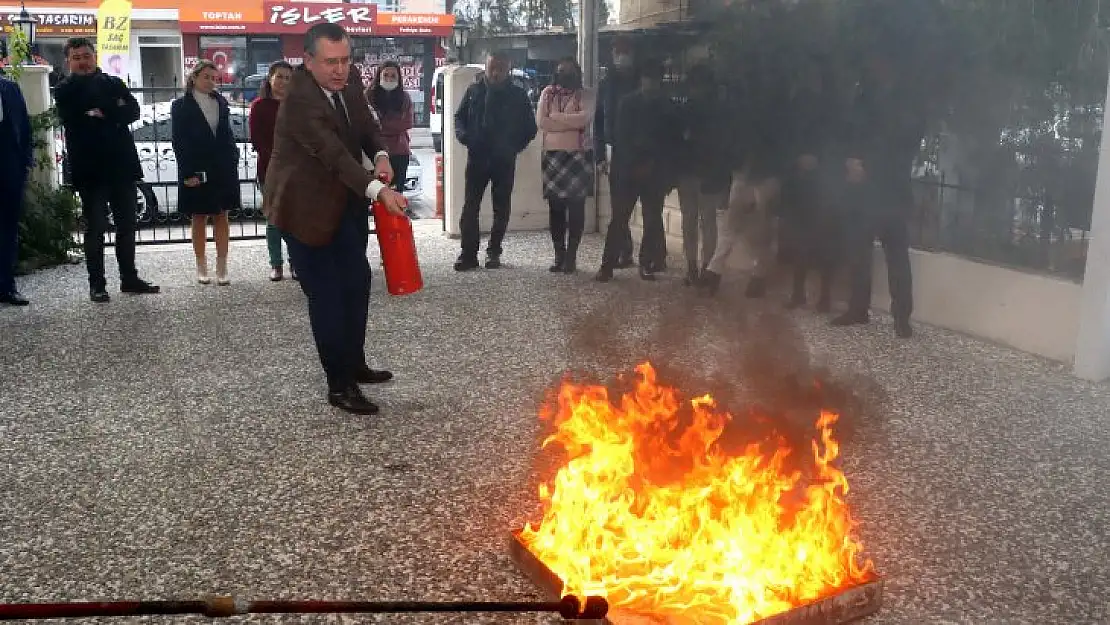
x=318 y=193
x=621 y=80
x=15 y=162
x=95 y=110
x=887 y=123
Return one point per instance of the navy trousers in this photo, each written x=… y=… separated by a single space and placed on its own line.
x=336 y=280
x=11 y=209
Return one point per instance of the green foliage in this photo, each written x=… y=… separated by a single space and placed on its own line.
x=19 y=51
x=47 y=227
x=49 y=213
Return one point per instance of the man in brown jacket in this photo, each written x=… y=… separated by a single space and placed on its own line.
x=317 y=194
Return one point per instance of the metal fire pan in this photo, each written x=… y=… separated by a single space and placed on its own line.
x=846 y=606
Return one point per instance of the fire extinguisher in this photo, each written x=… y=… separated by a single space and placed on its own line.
x=398 y=248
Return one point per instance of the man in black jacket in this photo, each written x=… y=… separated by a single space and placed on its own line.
x=95 y=110
x=648 y=133
x=887 y=123
x=621 y=80
x=808 y=226
x=496 y=123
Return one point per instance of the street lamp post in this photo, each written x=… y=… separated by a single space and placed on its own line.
x=25 y=25
x=461 y=34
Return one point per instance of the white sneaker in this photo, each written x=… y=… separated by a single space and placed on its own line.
x=202 y=272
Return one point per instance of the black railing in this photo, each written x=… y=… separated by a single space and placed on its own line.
x=1021 y=232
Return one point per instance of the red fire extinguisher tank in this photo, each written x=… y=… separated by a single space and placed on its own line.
x=398 y=247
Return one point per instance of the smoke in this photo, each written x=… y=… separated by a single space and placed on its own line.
x=752 y=358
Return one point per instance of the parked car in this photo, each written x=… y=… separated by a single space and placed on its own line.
x=158 y=190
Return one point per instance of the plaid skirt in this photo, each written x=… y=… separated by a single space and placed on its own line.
x=567 y=175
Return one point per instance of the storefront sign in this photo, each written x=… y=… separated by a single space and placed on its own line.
x=57 y=24
x=216 y=17
x=414 y=25
x=297 y=17
x=294 y=18
x=113 y=37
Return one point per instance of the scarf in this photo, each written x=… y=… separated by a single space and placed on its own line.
x=568 y=101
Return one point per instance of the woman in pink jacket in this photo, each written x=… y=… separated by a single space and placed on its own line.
x=393 y=107
x=564 y=115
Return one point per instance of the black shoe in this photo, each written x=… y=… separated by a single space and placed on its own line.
x=903 y=329
x=99 y=295
x=647 y=273
x=353 y=401
x=493 y=262
x=692 y=277
x=140 y=287
x=709 y=283
x=852 y=318
x=604 y=274
x=466 y=263
x=373 y=376
x=626 y=263
x=557 y=266
x=570 y=264
x=757 y=287
x=13 y=299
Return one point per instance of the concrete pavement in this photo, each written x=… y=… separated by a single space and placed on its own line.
x=179 y=445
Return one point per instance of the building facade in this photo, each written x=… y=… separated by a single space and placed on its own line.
x=155 y=37
x=244 y=37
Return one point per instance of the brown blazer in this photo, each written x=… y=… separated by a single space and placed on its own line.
x=311 y=171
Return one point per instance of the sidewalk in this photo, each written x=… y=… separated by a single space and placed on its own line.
x=179 y=445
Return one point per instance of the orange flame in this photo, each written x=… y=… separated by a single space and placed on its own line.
x=652 y=515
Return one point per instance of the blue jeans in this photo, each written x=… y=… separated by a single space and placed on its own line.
x=273 y=244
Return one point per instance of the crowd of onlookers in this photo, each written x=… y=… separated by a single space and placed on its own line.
x=800 y=173
x=807 y=175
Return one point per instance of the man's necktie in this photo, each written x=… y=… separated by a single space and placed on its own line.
x=337 y=100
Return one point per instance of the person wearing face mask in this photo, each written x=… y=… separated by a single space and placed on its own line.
x=564 y=113
x=621 y=80
x=648 y=132
x=207 y=165
x=495 y=122
x=394 y=110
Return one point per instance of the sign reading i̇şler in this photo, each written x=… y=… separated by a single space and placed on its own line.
x=113 y=37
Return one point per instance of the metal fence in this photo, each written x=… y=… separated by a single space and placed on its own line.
x=1028 y=233
x=158 y=218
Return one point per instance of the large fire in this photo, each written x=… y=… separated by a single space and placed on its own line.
x=652 y=514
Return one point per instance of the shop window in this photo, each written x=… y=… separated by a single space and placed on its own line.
x=229 y=54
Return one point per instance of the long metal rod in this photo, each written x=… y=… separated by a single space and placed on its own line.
x=569 y=607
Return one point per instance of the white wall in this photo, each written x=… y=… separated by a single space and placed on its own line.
x=529 y=210
x=34 y=82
